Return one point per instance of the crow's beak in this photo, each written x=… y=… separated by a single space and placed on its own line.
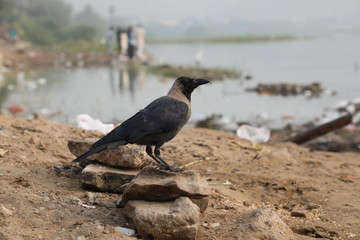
x=200 y=81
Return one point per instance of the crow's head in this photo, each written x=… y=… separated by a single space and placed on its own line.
x=187 y=85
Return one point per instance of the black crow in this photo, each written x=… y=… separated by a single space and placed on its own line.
x=154 y=125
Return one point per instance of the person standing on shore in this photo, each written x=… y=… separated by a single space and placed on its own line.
x=110 y=40
x=140 y=41
x=12 y=36
x=131 y=42
x=123 y=42
x=118 y=39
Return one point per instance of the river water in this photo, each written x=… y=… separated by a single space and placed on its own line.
x=116 y=93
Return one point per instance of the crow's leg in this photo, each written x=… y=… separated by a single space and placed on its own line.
x=150 y=153
x=158 y=156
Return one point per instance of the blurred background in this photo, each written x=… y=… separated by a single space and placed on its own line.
x=272 y=63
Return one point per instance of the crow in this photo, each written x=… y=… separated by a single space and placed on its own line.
x=156 y=124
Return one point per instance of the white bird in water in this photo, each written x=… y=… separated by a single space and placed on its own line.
x=198 y=56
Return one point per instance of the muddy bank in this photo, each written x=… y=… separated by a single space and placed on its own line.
x=313 y=192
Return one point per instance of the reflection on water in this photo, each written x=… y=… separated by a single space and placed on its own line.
x=108 y=93
x=116 y=93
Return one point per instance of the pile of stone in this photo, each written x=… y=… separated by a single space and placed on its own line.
x=161 y=204
x=157 y=203
x=109 y=170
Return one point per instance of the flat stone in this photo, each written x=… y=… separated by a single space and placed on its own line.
x=154 y=184
x=264 y=223
x=163 y=220
x=127 y=156
x=96 y=177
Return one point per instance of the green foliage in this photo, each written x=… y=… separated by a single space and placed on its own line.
x=54 y=10
x=83 y=46
x=196 y=72
x=37 y=31
x=49 y=22
x=6 y=10
x=80 y=32
x=89 y=17
x=230 y=39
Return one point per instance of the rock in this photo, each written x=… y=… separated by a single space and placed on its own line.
x=96 y=177
x=126 y=231
x=5 y=211
x=214 y=225
x=154 y=184
x=2 y=152
x=34 y=140
x=163 y=220
x=91 y=197
x=300 y=214
x=105 y=203
x=127 y=156
x=264 y=223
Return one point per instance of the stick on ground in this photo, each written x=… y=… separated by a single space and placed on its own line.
x=321 y=130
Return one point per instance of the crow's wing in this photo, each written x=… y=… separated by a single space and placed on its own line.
x=162 y=115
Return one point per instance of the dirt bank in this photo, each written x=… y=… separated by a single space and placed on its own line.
x=38 y=203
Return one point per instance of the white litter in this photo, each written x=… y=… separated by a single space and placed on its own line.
x=126 y=231
x=253 y=134
x=86 y=122
x=227 y=183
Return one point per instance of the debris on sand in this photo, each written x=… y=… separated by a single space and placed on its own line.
x=288 y=89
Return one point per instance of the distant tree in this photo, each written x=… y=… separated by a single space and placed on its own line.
x=7 y=8
x=81 y=32
x=90 y=18
x=49 y=22
x=56 y=10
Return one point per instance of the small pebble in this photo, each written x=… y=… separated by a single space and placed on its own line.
x=6 y=212
x=233 y=188
x=298 y=214
x=214 y=225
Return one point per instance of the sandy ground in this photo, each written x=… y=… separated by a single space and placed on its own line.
x=38 y=203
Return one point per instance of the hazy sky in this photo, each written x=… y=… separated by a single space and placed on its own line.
x=294 y=10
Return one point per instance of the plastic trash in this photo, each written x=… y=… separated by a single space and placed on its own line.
x=41 y=81
x=227 y=183
x=253 y=134
x=81 y=203
x=126 y=231
x=15 y=109
x=86 y=122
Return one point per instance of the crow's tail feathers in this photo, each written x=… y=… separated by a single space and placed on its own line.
x=100 y=148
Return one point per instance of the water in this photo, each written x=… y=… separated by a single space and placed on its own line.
x=114 y=94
